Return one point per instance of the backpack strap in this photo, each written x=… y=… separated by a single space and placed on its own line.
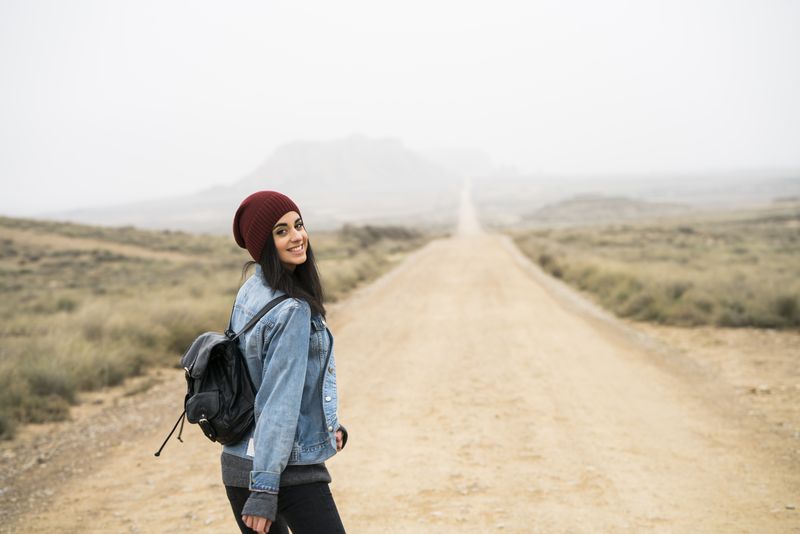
x=257 y=317
x=180 y=420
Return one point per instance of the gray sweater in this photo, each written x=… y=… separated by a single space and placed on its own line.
x=236 y=472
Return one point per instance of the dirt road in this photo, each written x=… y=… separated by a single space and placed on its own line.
x=478 y=398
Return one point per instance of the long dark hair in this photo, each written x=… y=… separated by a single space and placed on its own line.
x=302 y=283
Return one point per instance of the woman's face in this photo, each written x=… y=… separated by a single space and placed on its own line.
x=291 y=240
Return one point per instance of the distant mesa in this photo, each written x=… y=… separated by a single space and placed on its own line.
x=594 y=208
x=508 y=197
x=352 y=180
x=365 y=180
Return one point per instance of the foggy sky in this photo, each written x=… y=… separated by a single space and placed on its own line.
x=108 y=101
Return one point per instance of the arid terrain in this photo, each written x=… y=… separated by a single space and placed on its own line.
x=480 y=395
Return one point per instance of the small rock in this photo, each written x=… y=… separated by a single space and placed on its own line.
x=790 y=507
x=499 y=526
x=436 y=514
x=208 y=521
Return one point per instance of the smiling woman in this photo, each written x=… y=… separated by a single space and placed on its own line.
x=275 y=477
x=291 y=240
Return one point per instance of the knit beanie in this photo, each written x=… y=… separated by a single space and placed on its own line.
x=256 y=217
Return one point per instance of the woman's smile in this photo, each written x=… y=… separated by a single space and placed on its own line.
x=291 y=240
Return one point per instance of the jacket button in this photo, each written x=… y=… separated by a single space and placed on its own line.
x=330 y=370
x=328 y=399
x=330 y=429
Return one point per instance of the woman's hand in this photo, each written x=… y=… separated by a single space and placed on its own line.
x=339 y=440
x=257 y=523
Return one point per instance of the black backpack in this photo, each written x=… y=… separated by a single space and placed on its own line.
x=220 y=394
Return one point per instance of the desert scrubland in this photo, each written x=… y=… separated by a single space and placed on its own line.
x=732 y=269
x=486 y=383
x=86 y=307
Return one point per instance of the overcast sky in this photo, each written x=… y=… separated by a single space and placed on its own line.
x=109 y=101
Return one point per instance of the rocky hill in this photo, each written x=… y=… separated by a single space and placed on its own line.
x=352 y=180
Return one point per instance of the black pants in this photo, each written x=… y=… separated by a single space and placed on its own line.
x=306 y=509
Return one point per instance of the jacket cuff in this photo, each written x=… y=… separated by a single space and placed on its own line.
x=262 y=505
x=264 y=481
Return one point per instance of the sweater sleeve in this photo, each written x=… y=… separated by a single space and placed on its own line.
x=262 y=505
x=277 y=406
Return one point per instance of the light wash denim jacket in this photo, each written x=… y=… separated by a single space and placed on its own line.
x=289 y=355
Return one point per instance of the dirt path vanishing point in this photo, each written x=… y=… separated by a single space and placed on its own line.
x=478 y=399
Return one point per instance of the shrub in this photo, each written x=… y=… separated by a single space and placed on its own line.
x=103 y=368
x=43 y=409
x=732 y=313
x=550 y=265
x=66 y=304
x=7 y=426
x=93 y=330
x=637 y=306
x=688 y=312
x=369 y=235
x=786 y=307
x=675 y=290
x=180 y=330
x=50 y=379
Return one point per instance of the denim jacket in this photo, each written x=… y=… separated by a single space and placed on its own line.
x=289 y=354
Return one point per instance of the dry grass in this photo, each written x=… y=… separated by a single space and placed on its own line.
x=86 y=307
x=739 y=269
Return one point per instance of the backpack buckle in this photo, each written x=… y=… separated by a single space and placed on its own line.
x=207 y=429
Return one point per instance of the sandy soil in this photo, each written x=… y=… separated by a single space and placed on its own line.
x=480 y=396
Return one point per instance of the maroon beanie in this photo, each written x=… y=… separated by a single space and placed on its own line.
x=256 y=217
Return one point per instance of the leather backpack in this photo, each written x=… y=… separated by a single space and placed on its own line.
x=220 y=395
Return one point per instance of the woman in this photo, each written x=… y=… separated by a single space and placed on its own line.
x=276 y=477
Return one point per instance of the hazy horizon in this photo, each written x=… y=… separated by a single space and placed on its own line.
x=110 y=102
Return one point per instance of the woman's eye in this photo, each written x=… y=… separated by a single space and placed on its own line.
x=280 y=232
x=298 y=225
